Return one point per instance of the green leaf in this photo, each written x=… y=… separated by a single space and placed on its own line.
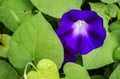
x=113 y=9
x=103 y=55
x=116 y=73
x=20 y=11
x=75 y=71
x=33 y=41
x=1 y=2
x=9 y=18
x=56 y=8
x=116 y=54
x=5 y=45
x=102 y=11
x=115 y=26
x=110 y=1
x=46 y=69
x=97 y=77
x=118 y=17
x=7 y=72
x=106 y=11
x=115 y=65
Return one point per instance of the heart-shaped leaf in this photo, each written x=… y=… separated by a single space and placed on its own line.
x=5 y=45
x=56 y=8
x=75 y=71
x=33 y=41
x=46 y=69
x=7 y=72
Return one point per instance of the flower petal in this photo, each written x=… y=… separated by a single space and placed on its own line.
x=85 y=15
x=69 y=57
x=81 y=31
x=97 y=32
x=71 y=42
x=65 y=25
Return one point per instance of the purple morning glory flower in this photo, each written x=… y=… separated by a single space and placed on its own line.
x=80 y=32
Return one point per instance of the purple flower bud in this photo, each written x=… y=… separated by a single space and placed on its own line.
x=81 y=32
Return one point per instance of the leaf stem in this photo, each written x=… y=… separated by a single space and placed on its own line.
x=30 y=63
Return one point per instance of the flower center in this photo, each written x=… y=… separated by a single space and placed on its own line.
x=80 y=27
